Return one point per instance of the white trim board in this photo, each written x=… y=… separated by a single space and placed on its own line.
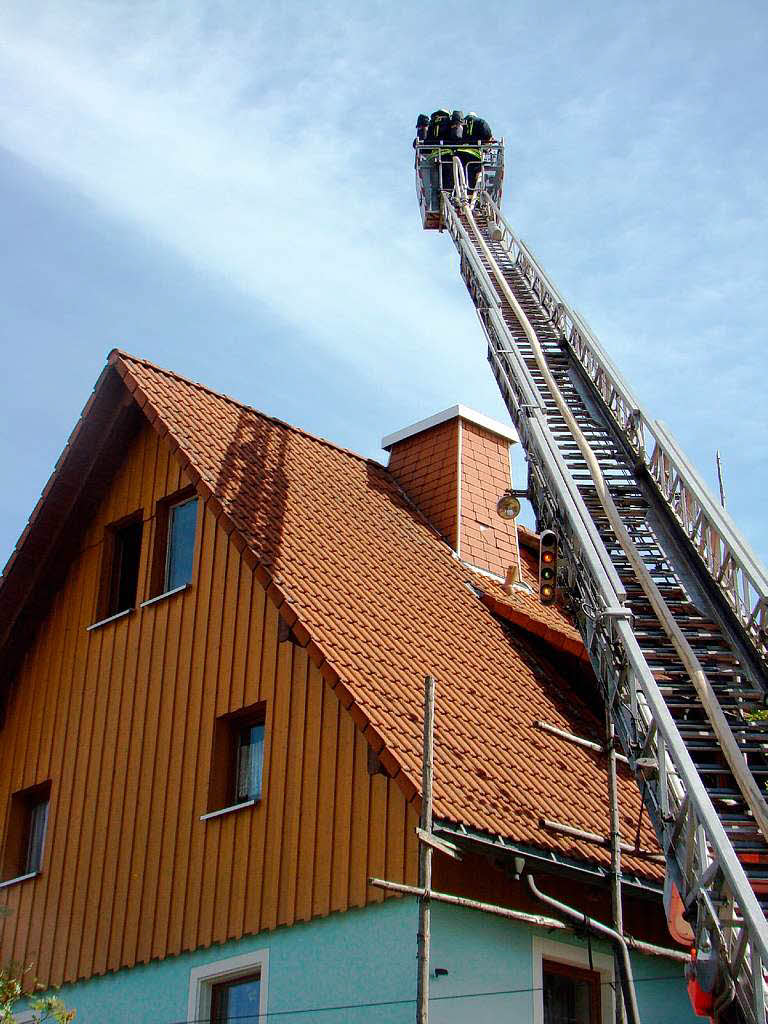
x=203 y=978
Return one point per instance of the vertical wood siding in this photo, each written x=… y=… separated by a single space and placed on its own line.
x=121 y=720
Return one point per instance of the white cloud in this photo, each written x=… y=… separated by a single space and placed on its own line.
x=184 y=132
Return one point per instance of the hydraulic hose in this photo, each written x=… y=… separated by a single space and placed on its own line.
x=733 y=754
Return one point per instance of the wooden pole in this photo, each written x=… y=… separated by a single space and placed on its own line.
x=535 y=920
x=616 y=907
x=425 y=856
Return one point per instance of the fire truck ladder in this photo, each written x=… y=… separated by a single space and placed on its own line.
x=671 y=602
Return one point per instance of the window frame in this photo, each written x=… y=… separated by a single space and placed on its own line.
x=16 y=863
x=161 y=549
x=577 y=957
x=109 y=582
x=36 y=832
x=202 y=980
x=219 y=996
x=168 y=547
x=238 y=733
x=225 y=753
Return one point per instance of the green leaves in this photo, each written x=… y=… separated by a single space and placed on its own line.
x=44 y=1009
x=51 y=1008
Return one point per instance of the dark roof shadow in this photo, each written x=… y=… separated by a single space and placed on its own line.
x=252 y=481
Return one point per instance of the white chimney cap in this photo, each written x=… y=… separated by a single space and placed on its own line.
x=505 y=430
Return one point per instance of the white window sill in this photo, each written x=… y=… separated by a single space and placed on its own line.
x=19 y=878
x=111 y=618
x=162 y=597
x=228 y=810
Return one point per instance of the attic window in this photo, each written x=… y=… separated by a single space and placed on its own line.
x=182 y=519
x=174 y=548
x=120 y=566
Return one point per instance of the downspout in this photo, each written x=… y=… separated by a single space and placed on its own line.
x=627 y=982
x=459 y=472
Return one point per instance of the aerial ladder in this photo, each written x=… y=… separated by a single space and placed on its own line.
x=671 y=602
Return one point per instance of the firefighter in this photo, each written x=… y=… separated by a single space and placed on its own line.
x=422 y=124
x=476 y=131
x=439 y=128
x=437 y=131
x=456 y=130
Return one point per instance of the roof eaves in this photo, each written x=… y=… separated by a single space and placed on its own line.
x=554 y=637
x=52 y=532
x=55 y=473
x=549 y=859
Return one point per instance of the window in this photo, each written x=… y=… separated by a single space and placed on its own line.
x=182 y=520
x=249 y=757
x=230 y=990
x=567 y=989
x=120 y=566
x=174 y=547
x=25 y=837
x=237 y=760
x=571 y=994
x=235 y=1000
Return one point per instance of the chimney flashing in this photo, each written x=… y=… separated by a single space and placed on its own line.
x=463 y=412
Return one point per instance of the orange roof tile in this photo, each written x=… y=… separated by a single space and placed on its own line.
x=383 y=603
x=523 y=607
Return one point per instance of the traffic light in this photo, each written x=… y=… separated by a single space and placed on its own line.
x=547 y=566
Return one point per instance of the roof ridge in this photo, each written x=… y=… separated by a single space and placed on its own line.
x=121 y=354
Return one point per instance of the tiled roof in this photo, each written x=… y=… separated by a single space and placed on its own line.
x=523 y=608
x=380 y=601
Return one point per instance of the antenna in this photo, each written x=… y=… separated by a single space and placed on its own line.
x=720 y=477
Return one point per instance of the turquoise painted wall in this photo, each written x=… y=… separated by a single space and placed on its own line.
x=369 y=956
x=488 y=954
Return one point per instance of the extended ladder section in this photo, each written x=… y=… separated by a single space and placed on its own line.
x=670 y=601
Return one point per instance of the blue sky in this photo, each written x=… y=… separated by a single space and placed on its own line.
x=226 y=189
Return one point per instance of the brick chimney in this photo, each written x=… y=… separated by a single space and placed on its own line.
x=454 y=466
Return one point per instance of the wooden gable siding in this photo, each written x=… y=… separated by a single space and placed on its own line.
x=121 y=720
